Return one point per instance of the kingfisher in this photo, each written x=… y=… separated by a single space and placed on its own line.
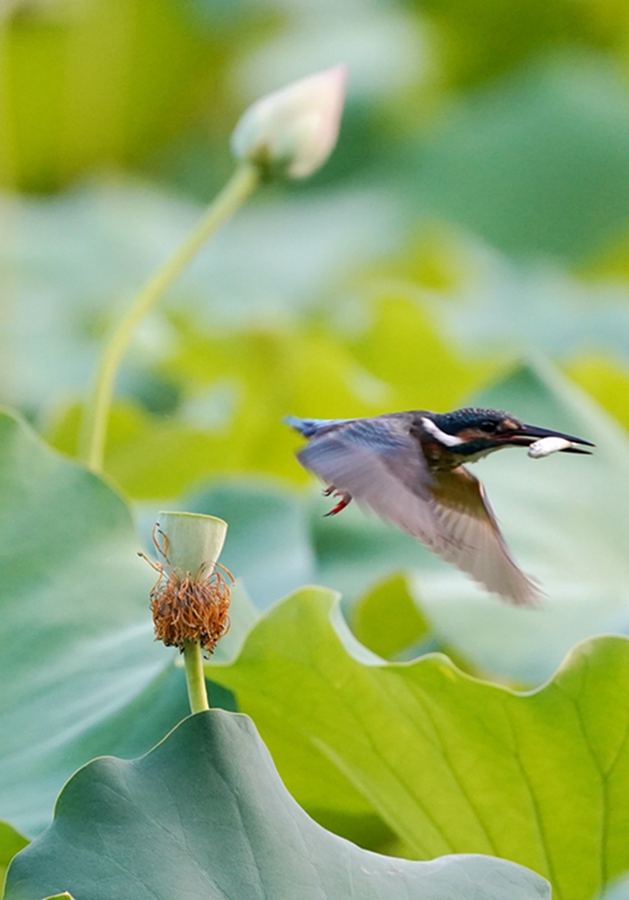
x=408 y=467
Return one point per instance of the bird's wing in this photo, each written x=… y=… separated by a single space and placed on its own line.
x=472 y=538
x=381 y=465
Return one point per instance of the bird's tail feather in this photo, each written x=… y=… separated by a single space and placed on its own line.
x=307 y=427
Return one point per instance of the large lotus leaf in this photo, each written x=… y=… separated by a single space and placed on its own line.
x=205 y=814
x=565 y=518
x=537 y=162
x=62 y=117
x=452 y=764
x=82 y=675
x=478 y=44
x=403 y=348
x=509 y=307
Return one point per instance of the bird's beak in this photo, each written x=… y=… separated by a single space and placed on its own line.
x=528 y=434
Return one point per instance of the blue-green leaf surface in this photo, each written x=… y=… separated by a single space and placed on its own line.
x=206 y=815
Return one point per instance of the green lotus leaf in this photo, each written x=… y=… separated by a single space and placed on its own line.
x=451 y=764
x=205 y=814
x=536 y=161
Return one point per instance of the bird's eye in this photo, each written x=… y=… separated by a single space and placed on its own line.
x=488 y=425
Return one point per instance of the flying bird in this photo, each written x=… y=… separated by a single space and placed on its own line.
x=408 y=467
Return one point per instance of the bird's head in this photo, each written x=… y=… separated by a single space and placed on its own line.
x=471 y=433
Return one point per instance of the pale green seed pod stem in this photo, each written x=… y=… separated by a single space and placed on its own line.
x=195 y=677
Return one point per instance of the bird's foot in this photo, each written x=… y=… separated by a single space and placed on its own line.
x=329 y=490
x=344 y=496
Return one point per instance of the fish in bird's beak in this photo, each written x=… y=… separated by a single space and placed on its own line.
x=546 y=441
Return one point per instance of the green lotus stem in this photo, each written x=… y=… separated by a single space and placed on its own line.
x=94 y=426
x=195 y=678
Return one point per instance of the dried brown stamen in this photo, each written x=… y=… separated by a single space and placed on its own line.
x=187 y=610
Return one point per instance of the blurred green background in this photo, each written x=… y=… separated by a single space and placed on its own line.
x=474 y=214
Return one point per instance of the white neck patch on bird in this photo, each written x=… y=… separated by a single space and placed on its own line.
x=448 y=440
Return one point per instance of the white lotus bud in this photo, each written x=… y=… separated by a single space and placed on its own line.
x=292 y=132
x=546 y=446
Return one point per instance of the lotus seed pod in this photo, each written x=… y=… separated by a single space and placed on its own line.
x=190 y=601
